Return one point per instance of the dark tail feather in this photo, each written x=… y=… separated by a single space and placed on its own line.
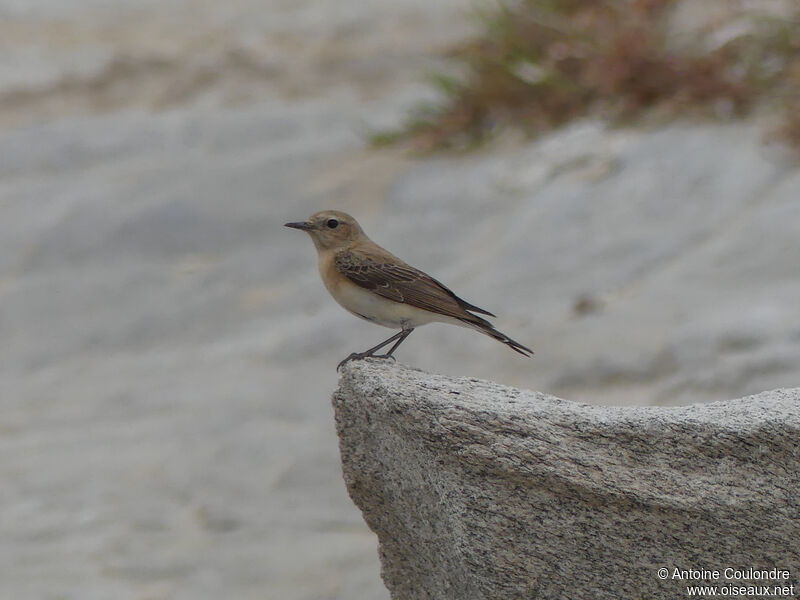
x=484 y=326
x=467 y=306
x=461 y=302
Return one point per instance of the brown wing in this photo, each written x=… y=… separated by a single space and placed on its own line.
x=393 y=279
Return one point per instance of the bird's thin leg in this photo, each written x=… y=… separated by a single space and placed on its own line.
x=374 y=349
x=359 y=355
x=406 y=333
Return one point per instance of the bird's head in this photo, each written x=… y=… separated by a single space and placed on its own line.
x=330 y=229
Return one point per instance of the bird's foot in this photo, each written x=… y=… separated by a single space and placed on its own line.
x=353 y=356
x=361 y=356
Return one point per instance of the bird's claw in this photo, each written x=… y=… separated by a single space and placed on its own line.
x=353 y=356
x=361 y=356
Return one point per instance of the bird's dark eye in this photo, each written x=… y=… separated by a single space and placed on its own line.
x=333 y=223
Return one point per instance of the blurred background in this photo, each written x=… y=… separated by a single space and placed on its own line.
x=630 y=209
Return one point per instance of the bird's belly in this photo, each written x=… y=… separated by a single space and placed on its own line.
x=379 y=310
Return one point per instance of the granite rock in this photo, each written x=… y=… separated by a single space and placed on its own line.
x=478 y=490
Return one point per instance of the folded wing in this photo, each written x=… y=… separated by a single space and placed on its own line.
x=393 y=279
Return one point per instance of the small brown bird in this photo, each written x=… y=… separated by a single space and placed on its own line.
x=377 y=286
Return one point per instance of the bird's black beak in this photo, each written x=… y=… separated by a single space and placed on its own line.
x=305 y=226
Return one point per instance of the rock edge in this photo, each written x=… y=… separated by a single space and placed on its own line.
x=481 y=491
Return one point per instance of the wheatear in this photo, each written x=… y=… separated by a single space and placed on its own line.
x=377 y=286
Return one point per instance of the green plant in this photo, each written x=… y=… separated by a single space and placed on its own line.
x=541 y=63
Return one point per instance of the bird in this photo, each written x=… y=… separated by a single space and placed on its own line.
x=377 y=286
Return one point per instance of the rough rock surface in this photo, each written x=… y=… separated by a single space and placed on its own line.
x=478 y=490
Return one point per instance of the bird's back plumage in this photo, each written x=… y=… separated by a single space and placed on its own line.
x=377 y=270
x=386 y=275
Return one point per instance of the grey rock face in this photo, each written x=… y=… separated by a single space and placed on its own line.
x=477 y=490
